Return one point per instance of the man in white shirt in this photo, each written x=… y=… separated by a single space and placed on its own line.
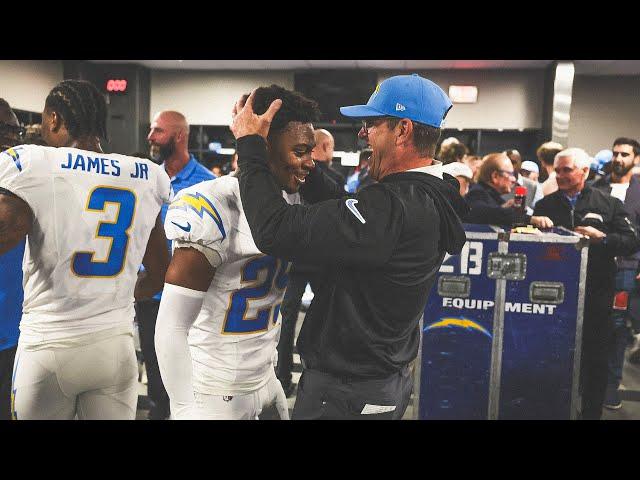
x=621 y=183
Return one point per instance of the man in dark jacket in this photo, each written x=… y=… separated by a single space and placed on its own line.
x=621 y=183
x=497 y=178
x=381 y=248
x=604 y=220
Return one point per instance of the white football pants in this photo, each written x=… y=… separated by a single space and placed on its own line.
x=97 y=381
x=238 y=407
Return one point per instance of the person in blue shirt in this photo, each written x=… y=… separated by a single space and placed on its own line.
x=168 y=140
x=359 y=178
x=11 y=294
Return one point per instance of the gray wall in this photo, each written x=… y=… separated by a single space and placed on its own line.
x=603 y=108
x=25 y=84
x=507 y=99
x=207 y=98
x=128 y=112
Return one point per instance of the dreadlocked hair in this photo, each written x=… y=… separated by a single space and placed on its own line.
x=295 y=107
x=81 y=106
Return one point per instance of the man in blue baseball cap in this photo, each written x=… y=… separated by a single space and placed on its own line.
x=602 y=158
x=405 y=96
x=414 y=105
x=378 y=249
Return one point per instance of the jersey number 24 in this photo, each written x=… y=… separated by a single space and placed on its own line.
x=276 y=277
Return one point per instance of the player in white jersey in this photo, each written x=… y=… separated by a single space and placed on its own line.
x=219 y=322
x=90 y=219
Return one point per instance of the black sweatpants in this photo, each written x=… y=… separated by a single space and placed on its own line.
x=289 y=310
x=322 y=396
x=146 y=316
x=6 y=372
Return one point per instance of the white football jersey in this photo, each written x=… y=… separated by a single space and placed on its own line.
x=233 y=341
x=93 y=214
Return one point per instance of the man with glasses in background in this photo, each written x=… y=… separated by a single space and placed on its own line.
x=11 y=294
x=497 y=177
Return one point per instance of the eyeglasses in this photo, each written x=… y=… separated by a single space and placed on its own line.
x=508 y=173
x=368 y=123
x=12 y=130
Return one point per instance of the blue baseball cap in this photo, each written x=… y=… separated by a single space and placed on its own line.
x=600 y=160
x=405 y=96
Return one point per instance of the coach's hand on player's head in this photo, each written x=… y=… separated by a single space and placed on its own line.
x=246 y=122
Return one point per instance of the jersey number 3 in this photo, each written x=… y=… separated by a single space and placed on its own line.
x=116 y=232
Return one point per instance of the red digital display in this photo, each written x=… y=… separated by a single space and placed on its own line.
x=116 y=85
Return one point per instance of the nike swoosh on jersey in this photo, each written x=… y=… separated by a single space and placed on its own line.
x=351 y=205
x=186 y=229
x=201 y=205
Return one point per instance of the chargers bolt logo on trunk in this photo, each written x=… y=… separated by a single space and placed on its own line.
x=458 y=323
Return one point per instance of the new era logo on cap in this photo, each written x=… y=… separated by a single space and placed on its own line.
x=405 y=96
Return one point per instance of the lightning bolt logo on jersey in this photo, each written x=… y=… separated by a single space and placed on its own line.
x=201 y=206
x=15 y=156
x=233 y=341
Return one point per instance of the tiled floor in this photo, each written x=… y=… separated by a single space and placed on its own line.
x=630 y=395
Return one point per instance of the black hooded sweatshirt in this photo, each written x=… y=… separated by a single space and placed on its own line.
x=380 y=251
